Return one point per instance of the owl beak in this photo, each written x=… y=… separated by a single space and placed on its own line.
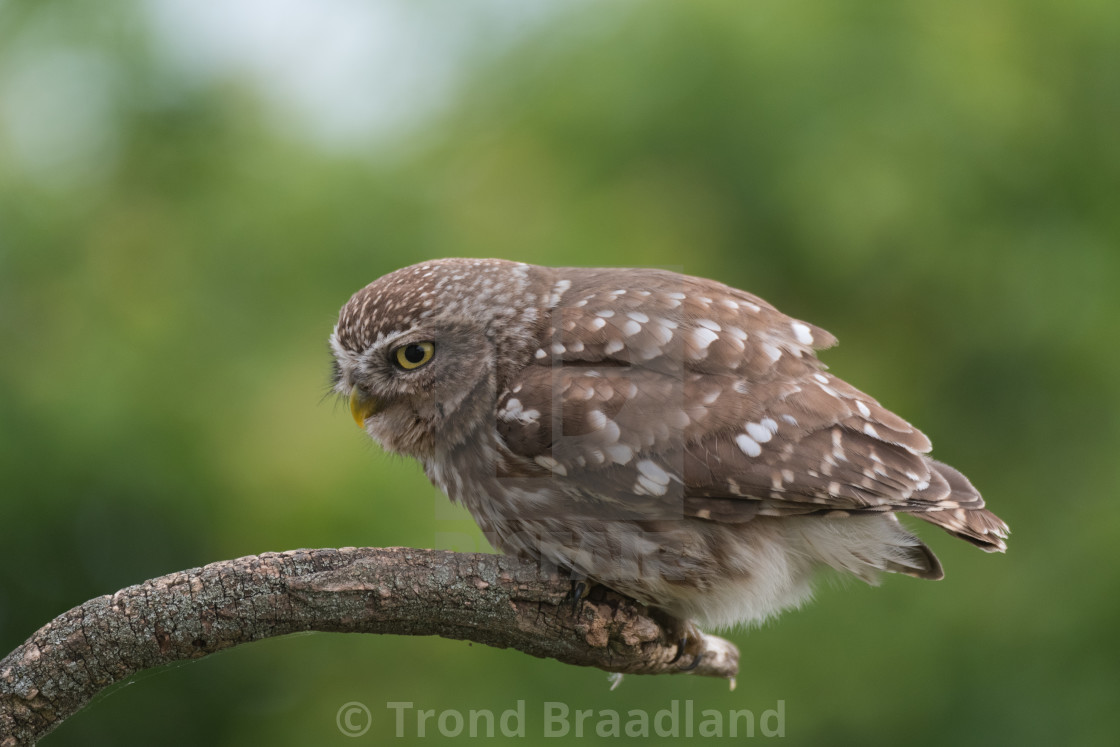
x=362 y=407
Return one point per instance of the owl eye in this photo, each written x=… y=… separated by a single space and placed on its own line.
x=414 y=354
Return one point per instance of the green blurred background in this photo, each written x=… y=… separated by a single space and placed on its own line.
x=189 y=191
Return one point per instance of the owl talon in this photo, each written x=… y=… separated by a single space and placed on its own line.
x=695 y=662
x=681 y=644
x=689 y=640
x=579 y=591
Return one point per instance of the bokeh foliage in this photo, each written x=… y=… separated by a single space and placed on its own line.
x=934 y=182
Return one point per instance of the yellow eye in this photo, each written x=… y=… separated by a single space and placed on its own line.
x=414 y=354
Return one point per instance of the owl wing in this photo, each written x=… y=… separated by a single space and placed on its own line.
x=673 y=394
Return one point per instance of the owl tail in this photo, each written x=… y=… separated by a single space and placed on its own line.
x=918 y=561
x=963 y=514
x=868 y=544
x=976 y=525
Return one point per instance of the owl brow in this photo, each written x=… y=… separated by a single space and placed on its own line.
x=386 y=343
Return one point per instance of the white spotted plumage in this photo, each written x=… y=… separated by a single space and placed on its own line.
x=666 y=435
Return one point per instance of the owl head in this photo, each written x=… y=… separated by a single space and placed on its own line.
x=419 y=352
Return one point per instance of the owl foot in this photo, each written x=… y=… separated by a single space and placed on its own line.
x=688 y=645
x=696 y=658
x=581 y=589
x=689 y=641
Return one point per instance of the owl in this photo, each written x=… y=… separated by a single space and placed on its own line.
x=667 y=436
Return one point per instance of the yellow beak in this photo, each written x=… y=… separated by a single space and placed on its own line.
x=362 y=407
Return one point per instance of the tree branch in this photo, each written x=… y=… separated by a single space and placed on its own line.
x=491 y=599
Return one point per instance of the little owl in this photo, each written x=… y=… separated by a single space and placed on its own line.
x=667 y=436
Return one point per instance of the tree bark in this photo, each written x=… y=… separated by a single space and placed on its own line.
x=491 y=599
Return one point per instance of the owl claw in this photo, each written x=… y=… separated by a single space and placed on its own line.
x=680 y=650
x=683 y=645
x=695 y=662
x=579 y=590
x=688 y=643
